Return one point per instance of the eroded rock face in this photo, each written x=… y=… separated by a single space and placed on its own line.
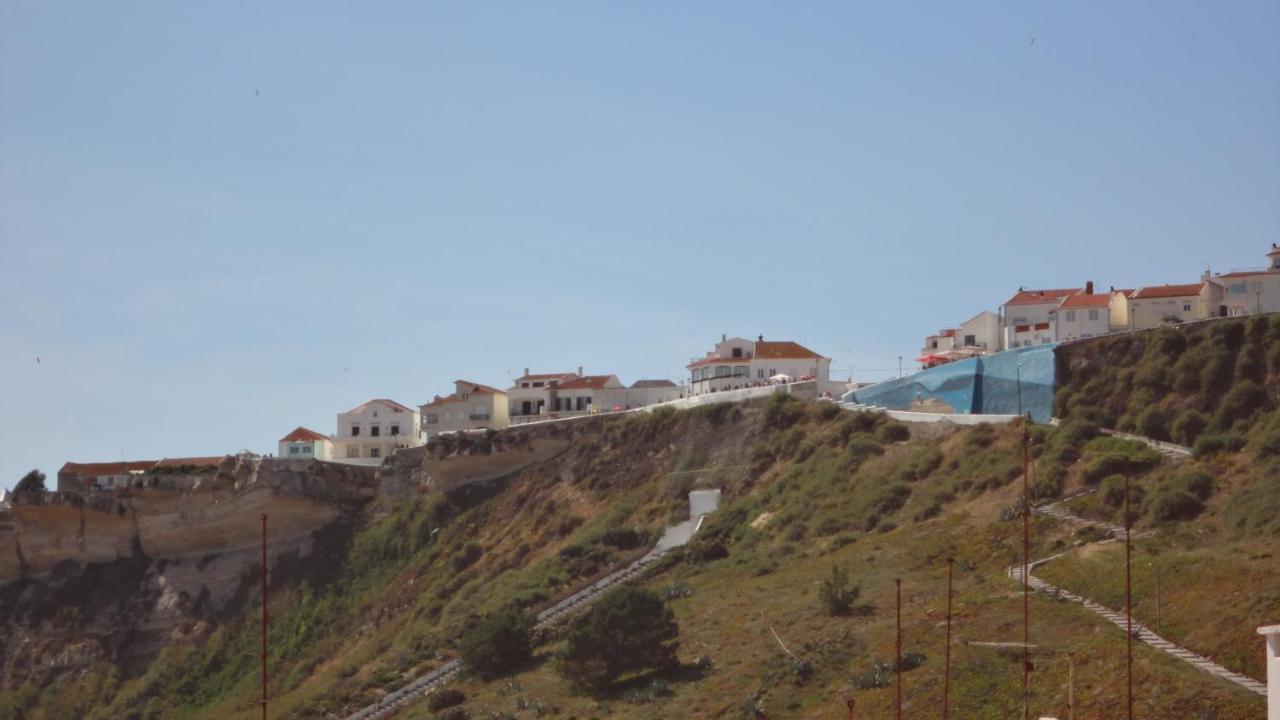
x=115 y=578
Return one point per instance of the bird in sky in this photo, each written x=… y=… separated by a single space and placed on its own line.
x=1033 y=40
x=37 y=359
x=256 y=92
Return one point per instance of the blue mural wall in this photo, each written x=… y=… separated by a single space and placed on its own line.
x=987 y=385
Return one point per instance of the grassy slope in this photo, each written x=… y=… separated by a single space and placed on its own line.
x=841 y=488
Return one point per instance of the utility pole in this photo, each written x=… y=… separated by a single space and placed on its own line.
x=1156 y=566
x=1128 y=596
x=1026 y=553
x=946 y=677
x=264 y=617
x=899 y=366
x=897 y=669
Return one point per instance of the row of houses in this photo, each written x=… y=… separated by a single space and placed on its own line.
x=370 y=432
x=1037 y=317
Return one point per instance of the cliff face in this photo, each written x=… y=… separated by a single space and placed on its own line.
x=117 y=579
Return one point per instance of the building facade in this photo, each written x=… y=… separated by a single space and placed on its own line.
x=1083 y=316
x=471 y=406
x=96 y=477
x=303 y=443
x=589 y=394
x=1028 y=316
x=532 y=395
x=370 y=432
x=652 y=392
x=1247 y=292
x=739 y=363
x=1156 y=305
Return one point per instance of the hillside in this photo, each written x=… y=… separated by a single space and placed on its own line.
x=807 y=487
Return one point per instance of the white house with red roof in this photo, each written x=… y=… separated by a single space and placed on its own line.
x=91 y=477
x=304 y=443
x=976 y=336
x=589 y=394
x=532 y=395
x=373 y=430
x=1083 y=315
x=1246 y=292
x=737 y=363
x=471 y=406
x=1030 y=314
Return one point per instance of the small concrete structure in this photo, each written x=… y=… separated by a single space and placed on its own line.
x=1272 y=634
x=701 y=504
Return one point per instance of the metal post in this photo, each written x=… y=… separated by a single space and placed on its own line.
x=899 y=366
x=898 y=667
x=1128 y=597
x=1026 y=569
x=264 y=617
x=946 y=677
x=1071 y=687
x=1157 y=567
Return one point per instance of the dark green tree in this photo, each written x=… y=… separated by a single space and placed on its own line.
x=628 y=631
x=837 y=594
x=501 y=644
x=33 y=480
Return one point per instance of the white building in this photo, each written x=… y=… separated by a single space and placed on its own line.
x=590 y=394
x=372 y=431
x=1246 y=292
x=305 y=443
x=652 y=392
x=976 y=336
x=1029 y=316
x=1155 y=305
x=738 y=363
x=1083 y=316
x=90 y=477
x=532 y=395
x=472 y=406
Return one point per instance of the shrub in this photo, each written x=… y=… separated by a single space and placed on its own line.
x=1153 y=422
x=446 y=698
x=32 y=481
x=501 y=644
x=1240 y=403
x=836 y=593
x=1210 y=445
x=465 y=557
x=782 y=411
x=455 y=713
x=1266 y=441
x=1169 y=504
x=1113 y=492
x=1188 y=426
x=980 y=436
x=892 y=432
x=629 y=630
x=624 y=538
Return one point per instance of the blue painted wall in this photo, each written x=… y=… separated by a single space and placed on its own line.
x=987 y=385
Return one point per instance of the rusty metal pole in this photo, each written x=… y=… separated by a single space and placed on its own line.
x=897 y=669
x=264 y=617
x=1026 y=560
x=946 y=676
x=1128 y=596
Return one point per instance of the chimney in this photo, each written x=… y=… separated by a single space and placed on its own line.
x=579 y=371
x=526 y=371
x=759 y=338
x=1088 y=287
x=723 y=337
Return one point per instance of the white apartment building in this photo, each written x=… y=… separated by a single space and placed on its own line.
x=1156 y=305
x=1246 y=292
x=590 y=394
x=369 y=433
x=738 y=363
x=305 y=443
x=472 y=406
x=652 y=392
x=1029 y=316
x=978 y=335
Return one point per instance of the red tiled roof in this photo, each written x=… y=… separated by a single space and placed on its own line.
x=546 y=376
x=380 y=401
x=476 y=389
x=1035 y=297
x=302 y=434
x=107 y=468
x=641 y=384
x=783 y=350
x=1165 y=291
x=211 y=461
x=588 y=382
x=1087 y=301
x=1249 y=273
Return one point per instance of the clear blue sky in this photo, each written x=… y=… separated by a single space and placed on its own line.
x=219 y=221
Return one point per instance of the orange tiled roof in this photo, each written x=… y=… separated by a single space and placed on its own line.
x=380 y=401
x=718 y=360
x=1087 y=301
x=1166 y=291
x=587 y=382
x=783 y=350
x=301 y=434
x=210 y=461
x=1035 y=297
x=641 y=384
x=107 y=468
x=1249 y=273
x=476 y=389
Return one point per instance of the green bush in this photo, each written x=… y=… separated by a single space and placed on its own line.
x=1192 y=481
x=1169 y=504
x=446 y=698
x=1153 y=422
x=1113 y=492
x=1240 y=403
x=892 y=432
x=500 y=644
x=1188 y=426
x=1210 y=445
x=782 y=411
x=1266 y=441
x=837 y=594
x=629 y=630
x=465 y=557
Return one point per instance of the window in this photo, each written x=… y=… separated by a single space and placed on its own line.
x=375 y=452
x=772 y=372
x=432 y=419
x=1071 y=316
x=760 y=373
x=1093 y=315
x=970 y=340
x=375 y=413
x=722 y=371
x=1237 y=289
x=395 y=429
x=375 y=431
x=353 y=452
x=355 y=431
x=538 y=384
x=737 y=352
x=741 y=371
x=294 y=449
x=524 y=384
x=1186 y=307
